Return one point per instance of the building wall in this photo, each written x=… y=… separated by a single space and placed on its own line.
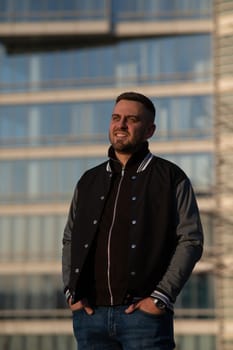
x=61 y=66
x=224 y=160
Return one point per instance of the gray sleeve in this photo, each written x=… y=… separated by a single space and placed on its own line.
x=189 y=242
x=66 y=242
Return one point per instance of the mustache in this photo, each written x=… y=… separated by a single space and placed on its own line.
x=120 y=130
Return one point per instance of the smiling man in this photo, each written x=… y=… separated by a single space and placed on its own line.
x=128 y=131
x=131 y=241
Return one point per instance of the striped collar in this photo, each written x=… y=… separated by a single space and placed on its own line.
x=145 y=162
x=141 y=158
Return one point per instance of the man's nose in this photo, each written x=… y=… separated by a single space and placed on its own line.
x=122 y=123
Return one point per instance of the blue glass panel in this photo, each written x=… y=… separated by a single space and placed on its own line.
x=208 y=223
x=198 y=293
x=199 y=168
x=19 y=177
x=121 y=9
x=6 y=180
x=193 y=342
x=42 y=180
x=38 y=342
x=49 y=68
x=135 y=61
x=25 y=292
x=3 y=7
x=161 y=9
x=48 y=179
x=69 y=5
x=53 y=5
x=36 y=6
x=64 y=123
x=184 y=117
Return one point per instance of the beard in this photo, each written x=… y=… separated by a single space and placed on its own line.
x=125 y=146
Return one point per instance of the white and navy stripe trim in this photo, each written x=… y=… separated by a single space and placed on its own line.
x=141 y=167
x=108 y=167
x=67 y=295
x=145 y=162
x=158 y=295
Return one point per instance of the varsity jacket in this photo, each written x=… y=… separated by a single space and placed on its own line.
x=165 y=233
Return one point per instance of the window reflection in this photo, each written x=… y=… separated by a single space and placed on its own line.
x=162 y=9
x=87 y=122
x=47 y=185
x=44 y=292
x=90 y=9
x=198 y=167
x=198 y=293
x=147 y=61
x=27 y=292
x=26 y=238
x=38 y=342
x=194 y=342
x=208 y=222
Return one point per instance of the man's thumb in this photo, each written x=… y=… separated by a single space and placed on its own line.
x=130 y=309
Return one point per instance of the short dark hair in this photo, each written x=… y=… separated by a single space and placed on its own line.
x=136 y=96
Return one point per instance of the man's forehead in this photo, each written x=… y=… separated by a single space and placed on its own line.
x=127 y=105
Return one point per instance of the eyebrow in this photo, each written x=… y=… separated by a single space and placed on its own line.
x=128 y=115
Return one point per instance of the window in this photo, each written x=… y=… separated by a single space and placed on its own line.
x=194 y=342
x=198 y=167
x=197 y=296
x=31 y=10
x=27 y=292
x=31 y=238
x=43 y=179
x=187 y=117
x=127 y=10
x=38 y=342
x=147 y=61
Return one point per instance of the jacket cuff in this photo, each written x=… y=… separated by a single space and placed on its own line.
x=158 y=295
x=67 y=293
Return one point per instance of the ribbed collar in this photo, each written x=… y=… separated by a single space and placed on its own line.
x=135 y=161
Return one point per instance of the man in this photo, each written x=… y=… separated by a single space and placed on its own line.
x=131 y=241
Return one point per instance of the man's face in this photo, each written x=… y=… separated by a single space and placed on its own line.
x=130 y=126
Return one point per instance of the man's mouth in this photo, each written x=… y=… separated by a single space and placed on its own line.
x=120 y=134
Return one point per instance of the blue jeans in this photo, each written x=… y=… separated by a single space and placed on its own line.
x=110 y=328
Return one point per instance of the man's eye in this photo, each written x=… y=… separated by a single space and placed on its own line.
x=133 y=119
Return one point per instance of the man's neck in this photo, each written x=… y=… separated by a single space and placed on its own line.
x=123 y=157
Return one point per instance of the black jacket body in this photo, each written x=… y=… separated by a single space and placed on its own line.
x=165 y=234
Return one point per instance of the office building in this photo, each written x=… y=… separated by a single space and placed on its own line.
x=62 y=63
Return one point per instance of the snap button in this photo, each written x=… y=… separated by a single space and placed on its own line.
x=102 y=198
x=95 y=222
x=133 y=198
x=133 y=246
x=86 y=245
x=134 y=222
x=133 y=177
x=132 y=273
x=76 y=270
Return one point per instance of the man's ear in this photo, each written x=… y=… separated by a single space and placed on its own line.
x=151 y=130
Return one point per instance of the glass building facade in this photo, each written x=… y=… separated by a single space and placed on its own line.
x=62 y=63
